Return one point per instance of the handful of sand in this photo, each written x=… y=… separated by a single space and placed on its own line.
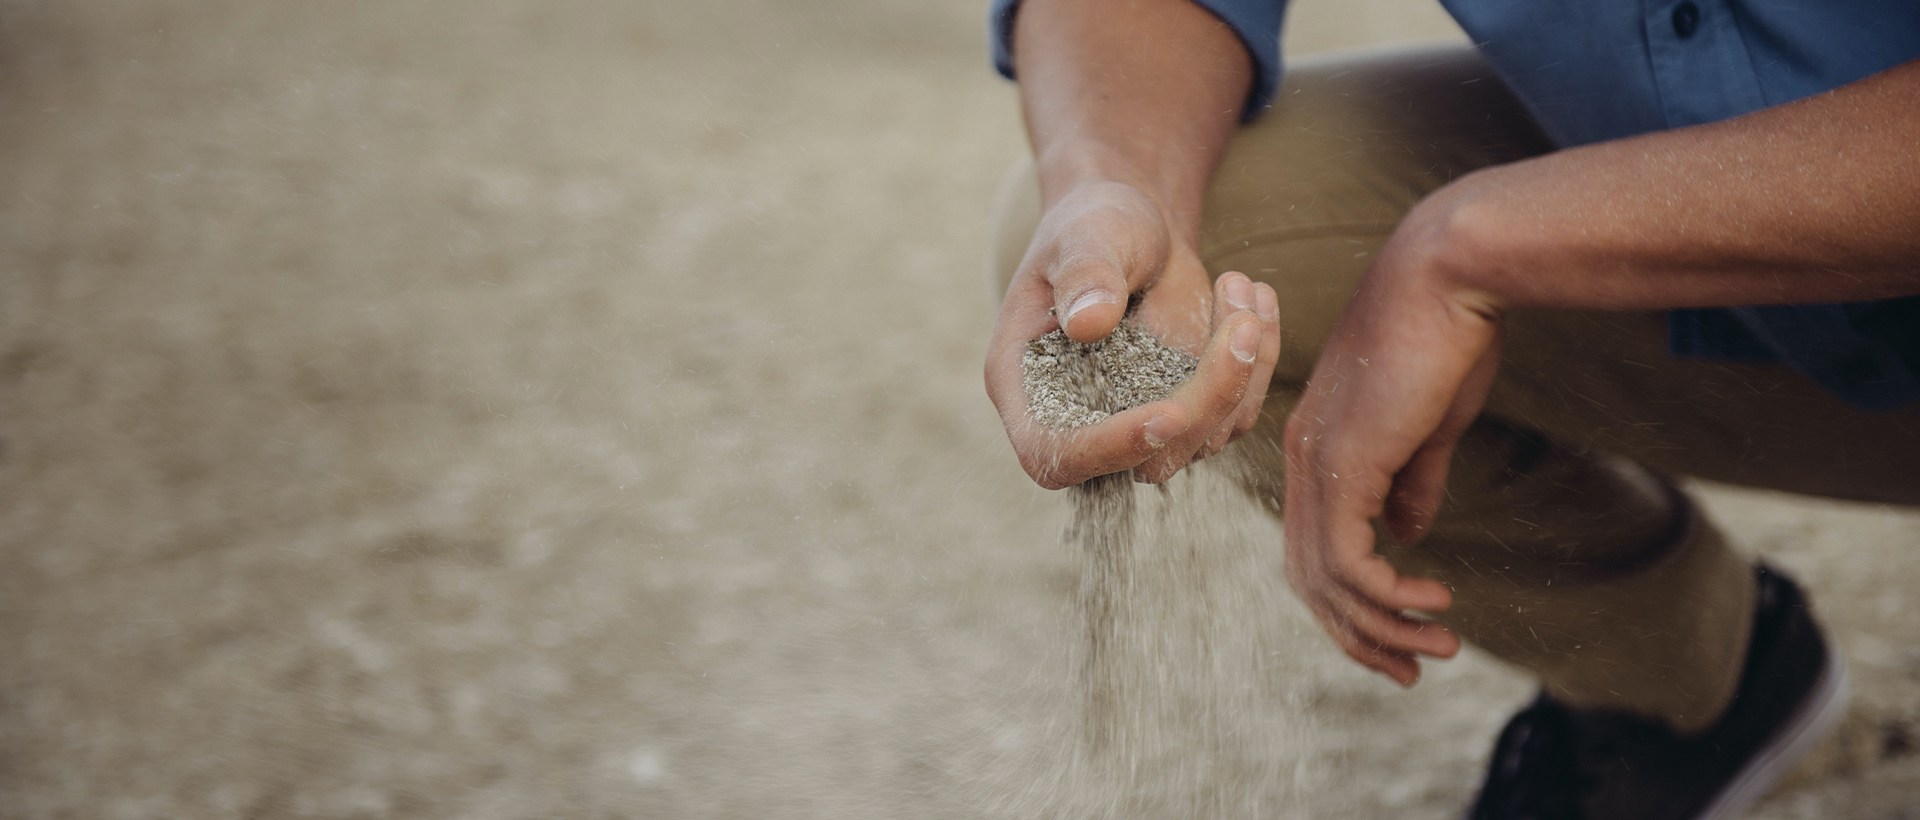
x=1071 y=384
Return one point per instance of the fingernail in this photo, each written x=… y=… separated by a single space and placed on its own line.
x=1162 y=428
x=1087 y=300
x=1245 y=341
x=1269 y=304
x=1240 y=293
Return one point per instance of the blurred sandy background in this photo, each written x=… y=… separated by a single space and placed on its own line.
x=503 y=410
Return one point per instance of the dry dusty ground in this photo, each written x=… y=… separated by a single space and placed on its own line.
x=479 y=409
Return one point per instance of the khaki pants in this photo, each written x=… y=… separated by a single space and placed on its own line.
x=1568 y=551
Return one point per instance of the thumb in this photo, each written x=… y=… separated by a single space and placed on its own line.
x=1109 y=241
x=1089 y=297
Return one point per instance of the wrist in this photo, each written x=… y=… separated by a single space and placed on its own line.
x=1450 y=246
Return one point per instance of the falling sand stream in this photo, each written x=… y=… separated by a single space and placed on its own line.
x=1186 y=709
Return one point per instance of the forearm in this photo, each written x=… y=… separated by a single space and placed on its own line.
x=1145 y=92
x=1814 y=201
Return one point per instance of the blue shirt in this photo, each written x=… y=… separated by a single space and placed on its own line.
x=1594 y=70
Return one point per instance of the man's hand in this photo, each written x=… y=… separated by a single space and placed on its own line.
x=1097 y=244
x=1402 y=377
x=1129 y=106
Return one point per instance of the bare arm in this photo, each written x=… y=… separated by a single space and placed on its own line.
x=1145 y=92
x=1129 y=105
x=1814 y=201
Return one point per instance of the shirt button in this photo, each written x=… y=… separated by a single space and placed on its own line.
x=1686 y=19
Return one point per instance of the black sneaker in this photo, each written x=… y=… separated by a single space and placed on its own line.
x=1556 y=762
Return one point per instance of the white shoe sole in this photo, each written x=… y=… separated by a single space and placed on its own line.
x=1810 y=724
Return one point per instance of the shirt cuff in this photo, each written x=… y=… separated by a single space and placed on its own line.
x=1255 y=22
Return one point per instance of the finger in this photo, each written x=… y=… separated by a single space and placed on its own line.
x=1218 y=384
x=1387 y=642
x=1402 y=667
x=1209 y=396
x=1346 y=548
x=1253 y=401
x=1267 y=307
x=1374 y=580
x=1089 y=296
x=1395 y=632
x=1357 y=573
x=1108 y=245
x=1332 y=606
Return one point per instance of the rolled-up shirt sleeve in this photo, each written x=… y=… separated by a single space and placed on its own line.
x=1256 y=22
